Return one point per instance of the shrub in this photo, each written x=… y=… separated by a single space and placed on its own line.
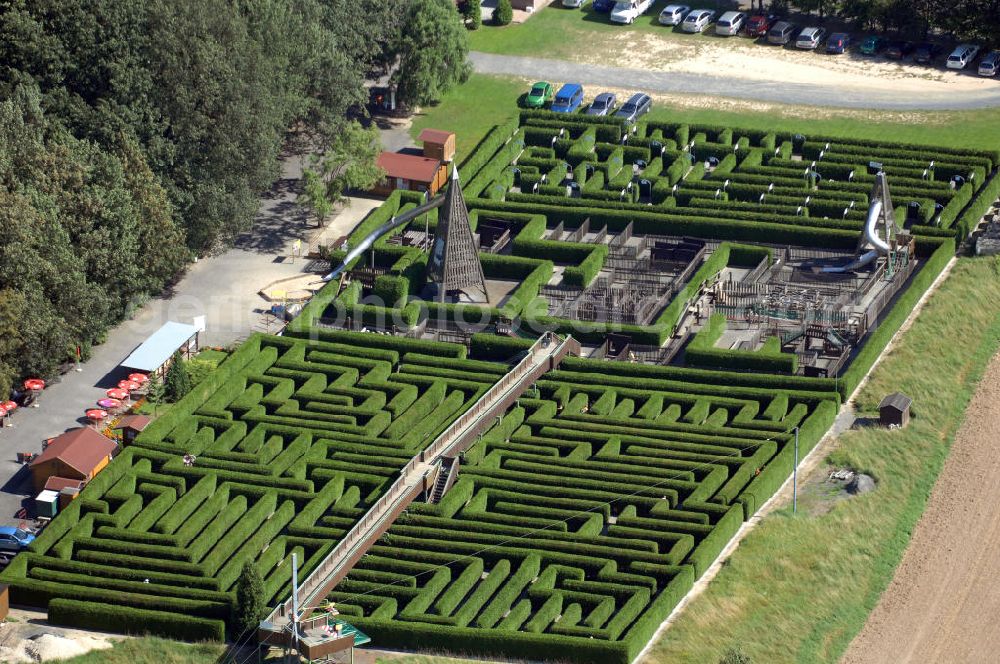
x=178 y=382
x=249 y=608
x=504 y=13
x=116 y=618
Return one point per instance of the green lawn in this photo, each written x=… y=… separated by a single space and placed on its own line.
x=558 y=32
x=483 y=101
x=800 y=587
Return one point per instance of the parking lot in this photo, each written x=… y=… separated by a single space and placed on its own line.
x=588 y=37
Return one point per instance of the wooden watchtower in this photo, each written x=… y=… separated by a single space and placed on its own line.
x=454 y=261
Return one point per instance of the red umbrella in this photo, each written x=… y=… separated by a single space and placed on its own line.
x=3 y=411
x=128 y=385
x=140 y=378
x=9 y=406
x=117 y=393
x=96 y=414
x=109 y=404
x=34 y=384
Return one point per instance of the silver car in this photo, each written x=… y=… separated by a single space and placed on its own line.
x=990 y=65
x=730 y=24
x=673 y=14
x=603 y=104
x=697 y=20
x=810 y=38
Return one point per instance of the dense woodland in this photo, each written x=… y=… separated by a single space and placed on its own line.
x=971 y=20
x=137 y=134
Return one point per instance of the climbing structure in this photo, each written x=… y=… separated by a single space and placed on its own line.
x=454 y=261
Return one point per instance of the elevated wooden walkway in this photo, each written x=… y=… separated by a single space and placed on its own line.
x=543 y=356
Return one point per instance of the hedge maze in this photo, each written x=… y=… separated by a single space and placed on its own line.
x=292 y=439
x=582 y=517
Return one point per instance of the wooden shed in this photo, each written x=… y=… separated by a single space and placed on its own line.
x=438 y=144
x=131 y=426
x=78 y=454
x=410 y=172
x=894 y=410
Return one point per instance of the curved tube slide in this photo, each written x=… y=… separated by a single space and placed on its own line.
x=871 y=234
x=390 y=225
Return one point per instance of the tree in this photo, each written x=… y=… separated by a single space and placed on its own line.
x=473 y=14
x=348 y=162
x=432 y=50
x=178 y=382
x=504 y=13
x=249 y=609
x=155 y=390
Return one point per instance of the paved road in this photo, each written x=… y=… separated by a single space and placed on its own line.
x=735 y=87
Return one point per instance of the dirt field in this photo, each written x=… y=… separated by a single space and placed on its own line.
x=943 y=603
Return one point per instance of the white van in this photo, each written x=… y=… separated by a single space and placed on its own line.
x=626 y=11
x=730 y=24
x=962 y=56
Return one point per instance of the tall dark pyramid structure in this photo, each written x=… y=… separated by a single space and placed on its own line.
x=454 y=261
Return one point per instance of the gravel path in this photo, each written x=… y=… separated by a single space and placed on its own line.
x=651 y=81
x=943 y=602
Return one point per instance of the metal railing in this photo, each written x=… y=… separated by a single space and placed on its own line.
x=409 y=478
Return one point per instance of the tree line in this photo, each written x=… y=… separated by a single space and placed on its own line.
x=969 y=20
x=137 y=134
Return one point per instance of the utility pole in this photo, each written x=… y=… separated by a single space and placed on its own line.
x=295 y=604
x=795 y=475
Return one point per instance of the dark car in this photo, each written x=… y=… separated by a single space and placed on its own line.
x=838 y=42
x=603 y=104
x=636 y=106
x=898 y=49
x=781 y=33
x=872 y=44
x=604 y=6
x=926 y=52
x=759 y=24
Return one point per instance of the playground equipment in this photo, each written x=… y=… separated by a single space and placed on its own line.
x=880 y=210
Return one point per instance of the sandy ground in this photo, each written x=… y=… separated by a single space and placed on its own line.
x=943 y=602
x=25 y=638
x=738 y=56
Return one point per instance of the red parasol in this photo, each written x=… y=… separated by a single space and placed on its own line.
x=9 y=406
x=128 y=385
x=34 y=384
x=140 y=378
x=3 y=411
x=96 y=414
x=109 y=404
x=117 y=393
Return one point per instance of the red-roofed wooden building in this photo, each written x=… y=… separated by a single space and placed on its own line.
x=78 y=454
x=410 y=172
x=438 y=144
x=131 y=426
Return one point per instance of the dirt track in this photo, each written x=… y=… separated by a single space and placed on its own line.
x=944 y=602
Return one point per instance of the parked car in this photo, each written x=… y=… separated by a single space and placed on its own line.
x=14 y=539
x=603 y=6
x=872 y=44
x=838 y=42
x=990 y=65
x=781 y=33
x=898 y=49
x=697 y=20
x=673 y=14
x=962 y=56
x=539 y=95
x=730 y=24
x=574 y=3
x=603 y=104
x=568 y=99
x=636 y=106
x=926 y=52
x=626 y=11
x=759 y=24
x=810 y=38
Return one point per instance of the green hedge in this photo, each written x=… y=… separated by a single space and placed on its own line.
x=121 y=619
